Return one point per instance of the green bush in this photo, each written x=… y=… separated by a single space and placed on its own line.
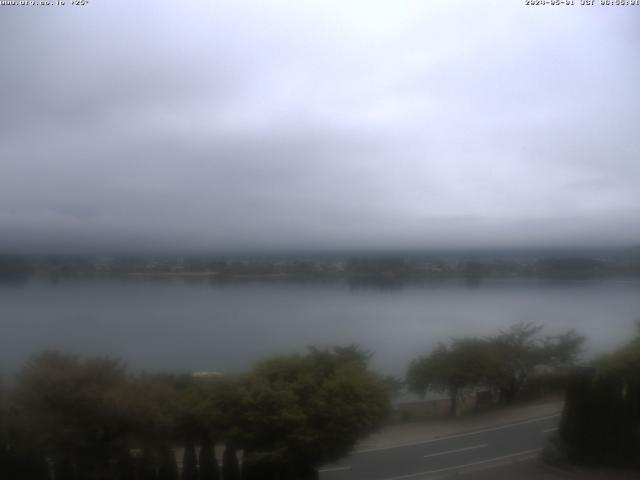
x=601 y=419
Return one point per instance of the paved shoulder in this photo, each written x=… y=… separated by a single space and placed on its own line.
x=495 y=446
x=407 y=433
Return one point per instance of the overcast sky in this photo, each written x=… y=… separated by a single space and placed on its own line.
x=210 y=125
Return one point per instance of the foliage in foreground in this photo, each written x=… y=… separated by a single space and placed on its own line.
x=601 y=420
x=306 y=410
x=88 y=419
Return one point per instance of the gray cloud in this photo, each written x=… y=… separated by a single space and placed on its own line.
x=208 y=126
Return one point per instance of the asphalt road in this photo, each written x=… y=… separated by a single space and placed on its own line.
x=499 y=452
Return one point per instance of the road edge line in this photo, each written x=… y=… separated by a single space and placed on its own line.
x=456 y=435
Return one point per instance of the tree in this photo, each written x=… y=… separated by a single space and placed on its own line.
x=465 y=363
x=146 y=465
x=600 y=424
x=72 y=408
x=167 y=410
x=20 y=455
x=300 y=411
x=190 y=462
x=521 y=350
x=168 y=469
x=505 y=361
x=208 y=463
x=95 y=422
x=230 y=467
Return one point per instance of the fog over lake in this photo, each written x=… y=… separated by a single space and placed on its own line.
x=196 y=325
x=226 y=130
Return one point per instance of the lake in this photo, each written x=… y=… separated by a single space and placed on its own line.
x=184 y=325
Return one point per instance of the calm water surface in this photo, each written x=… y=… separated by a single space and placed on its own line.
x=194 y=326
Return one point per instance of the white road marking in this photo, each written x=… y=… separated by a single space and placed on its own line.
x=458 y=435
x=548 y=430
x=466 y=465
x=482 y=445
x=334 y=469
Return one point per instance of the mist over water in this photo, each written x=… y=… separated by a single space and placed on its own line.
x=196 y=325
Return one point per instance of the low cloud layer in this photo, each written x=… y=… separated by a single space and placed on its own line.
x=208 y=126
